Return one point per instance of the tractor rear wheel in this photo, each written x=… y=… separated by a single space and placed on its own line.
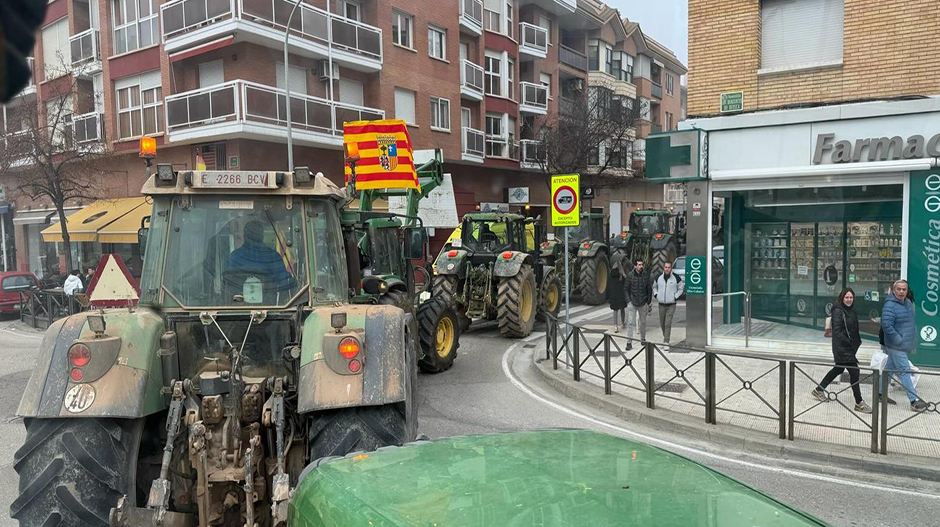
x=660 y=257
x=439 y=332
x=448 y=287
x=73 y=471
x=551 y=293
x=517 y=303
x=593 y=279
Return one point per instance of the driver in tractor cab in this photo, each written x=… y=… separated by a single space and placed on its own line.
x=254 y=256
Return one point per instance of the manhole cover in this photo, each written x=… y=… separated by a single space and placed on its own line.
x=672 y=387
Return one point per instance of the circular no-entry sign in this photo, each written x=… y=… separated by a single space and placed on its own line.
x=565 y=199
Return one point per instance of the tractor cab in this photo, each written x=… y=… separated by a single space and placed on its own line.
x=486 y=234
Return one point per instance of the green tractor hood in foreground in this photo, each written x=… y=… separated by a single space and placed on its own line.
x=553 y=477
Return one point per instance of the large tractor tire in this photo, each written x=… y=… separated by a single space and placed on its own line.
x=517 y=303
x=593 y=280
x=73 y=471
x=398 y=298
x=660 y=257
x=447 y=287
x=551 y=294
x=439 y=334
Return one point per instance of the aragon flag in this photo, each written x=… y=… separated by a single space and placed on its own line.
x=386 y=157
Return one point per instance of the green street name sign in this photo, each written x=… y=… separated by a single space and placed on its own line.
x=677 y=156
x=732 y=102
x=923 y=263
x=696 y=275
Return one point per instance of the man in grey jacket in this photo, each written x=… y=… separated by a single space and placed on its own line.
x=667 y=290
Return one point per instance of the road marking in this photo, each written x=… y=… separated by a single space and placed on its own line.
x=507 y=371
x=19 y=334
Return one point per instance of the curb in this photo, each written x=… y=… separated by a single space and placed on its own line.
x=806 y=451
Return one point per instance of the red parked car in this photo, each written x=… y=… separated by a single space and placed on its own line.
x=11 y=283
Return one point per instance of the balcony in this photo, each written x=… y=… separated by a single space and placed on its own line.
x=243 y=109
x=656 y=90
x=572 y=58
x=30 y=87
x=86 y=52
x=473 y=143
x=532 y=154
x=471 y=80
x=501 y=148
x=19 y=148
x=534 y=98
x=88 y=128
x=534 y=41
x=187 y=24
x=471 y=16
x=559 y=7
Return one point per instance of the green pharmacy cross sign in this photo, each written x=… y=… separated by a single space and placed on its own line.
x=696 y=274
x=677 y=156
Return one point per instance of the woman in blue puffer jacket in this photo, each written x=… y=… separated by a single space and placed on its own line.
x=897 y=321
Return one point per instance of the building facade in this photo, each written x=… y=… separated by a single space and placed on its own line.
x=206 y=78
x=828 y=168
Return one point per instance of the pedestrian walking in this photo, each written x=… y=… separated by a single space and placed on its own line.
x=897 y=321
x=616 y=296
x=73 y=283
x=639 y=301
x=846 y=339
x=667 y=290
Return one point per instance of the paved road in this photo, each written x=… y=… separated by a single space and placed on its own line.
x=477 y=396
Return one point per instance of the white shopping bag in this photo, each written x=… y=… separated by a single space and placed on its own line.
x=878 y=360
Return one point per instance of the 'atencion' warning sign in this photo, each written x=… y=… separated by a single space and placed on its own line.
x=565 y=210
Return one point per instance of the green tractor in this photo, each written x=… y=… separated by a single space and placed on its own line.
x=251 y=353
x=588 y=257
x=651 y=237
x=492 y=272
x=380 y=238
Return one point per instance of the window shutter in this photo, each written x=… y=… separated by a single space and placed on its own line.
x=405 y=105
x=798 y=33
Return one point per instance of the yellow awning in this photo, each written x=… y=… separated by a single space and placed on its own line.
x=124 y=229
x=84 y=225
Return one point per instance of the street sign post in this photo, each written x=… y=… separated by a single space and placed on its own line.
x=695 y=275
x=566 y=213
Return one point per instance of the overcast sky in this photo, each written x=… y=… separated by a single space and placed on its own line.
x=667 y=21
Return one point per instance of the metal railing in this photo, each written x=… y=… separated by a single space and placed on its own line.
x=244 y=101
x=532 y=153
x=747 y=312
x=775 y=391
x=573 y=58
x=656 y=90
x=40 y=308
x=501 y=147
x=85 y=47
x=471 y=11
x=471 y=76
x=312 y=24
x=88 y=127
x=474 y=141
x=534 y=95
x=533 y=37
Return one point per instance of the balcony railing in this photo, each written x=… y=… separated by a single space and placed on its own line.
x=87 y=128
x=535 y=96
x=309 y=23
x=471 y=11
x=248 y=102
x=533 y=154
x=474 y=141
x=501 y=147
x=85 y=47
x=573 y=58
x=656 y=90
x=534 y=38
x=471 y=76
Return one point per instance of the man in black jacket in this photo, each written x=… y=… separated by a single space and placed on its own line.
x=639 y=300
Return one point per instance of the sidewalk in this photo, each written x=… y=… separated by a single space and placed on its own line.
x=748 y=397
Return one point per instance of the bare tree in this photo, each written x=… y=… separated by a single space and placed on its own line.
x=51 y=156
x=591 y=123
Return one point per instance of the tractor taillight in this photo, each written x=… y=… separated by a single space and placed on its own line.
x=79 y=356
x=451 y=254
x=76 y=375
x=507 y=255
x=349 y=348
x=586 y=246
x=355 y=366
x=659 y=236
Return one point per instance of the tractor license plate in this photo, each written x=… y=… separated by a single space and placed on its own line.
x=234 y=179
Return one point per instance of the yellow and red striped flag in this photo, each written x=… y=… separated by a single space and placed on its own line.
x=386 y=157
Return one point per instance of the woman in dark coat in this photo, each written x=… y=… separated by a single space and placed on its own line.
x=846 y=340
x=616 y=296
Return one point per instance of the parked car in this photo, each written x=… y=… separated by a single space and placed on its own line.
x=718 y=273
x=11 y=283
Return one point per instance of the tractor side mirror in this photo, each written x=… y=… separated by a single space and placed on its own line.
x=415 y=240
x=142 y=234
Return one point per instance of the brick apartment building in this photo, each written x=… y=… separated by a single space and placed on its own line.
x=206 y=77
x=828 y=167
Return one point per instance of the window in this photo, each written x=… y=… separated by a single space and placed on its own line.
x=545 y=79
x=16 y=283
x=800 y=33
x=620 y=153
x=510 y=77
x=350 y=9
x=546 y=24
x=136 y=25
x=622 y=66
x=437 y=42
x=56 y=51
x=140 y=105
x=494 y=80
x=608 y=60
x=402 y=26
x=498 y=16
x=594 y=56
x=59 y=119
x=509 y=27
x=668 y=121
x=495 y=138
x=644 y=108
x=405 y=105
x=670 y=84
x=440 y=114
x=297 y=75
x=598 y=51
